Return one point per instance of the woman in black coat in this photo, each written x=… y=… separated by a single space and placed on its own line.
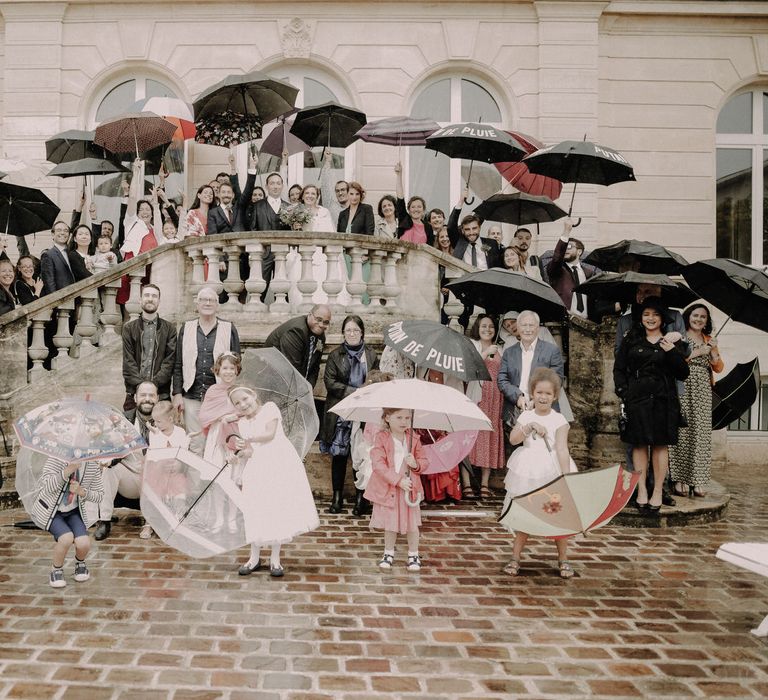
x=345 y=370
x=358 y=216
x=646 y=368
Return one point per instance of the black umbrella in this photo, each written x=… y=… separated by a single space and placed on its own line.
x=25 y=210
x=87 y=166
x=651 y=257
x=256 y=94
x=580 y=161
x=621 y=286
x=431 y=344
x=519 y=208
x=735 y=393
x=471 y=141
x=73 y=144
x=112 y=187
x=498 y=291
x=329 y=124
x=737 y=289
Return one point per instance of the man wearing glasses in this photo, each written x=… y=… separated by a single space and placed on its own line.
x=334 y=196
x=200 y=342
x=301 y=341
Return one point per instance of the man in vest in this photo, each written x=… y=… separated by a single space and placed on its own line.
x=200 y=342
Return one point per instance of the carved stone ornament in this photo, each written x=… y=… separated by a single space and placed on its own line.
x=296 y=38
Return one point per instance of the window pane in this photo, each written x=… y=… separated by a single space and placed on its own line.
x=734 y=204
x=117 y=100
x=429 y=178
x=765 y=205
x=156 y=89
x=315 y=93
x=313 y=163
x=736 y=116
x=434 y=102
x=741 y=423
x=477 y=105
x=765 y=113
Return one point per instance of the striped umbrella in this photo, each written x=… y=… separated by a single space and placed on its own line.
x=398 y=131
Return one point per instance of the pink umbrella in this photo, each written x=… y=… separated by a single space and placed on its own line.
x=448 y=451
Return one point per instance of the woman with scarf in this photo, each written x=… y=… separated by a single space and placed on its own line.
x=346 y=370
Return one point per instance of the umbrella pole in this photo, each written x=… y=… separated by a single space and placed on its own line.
x=202 y=493
x=135 y=139
x=725 y=323
x=749 y=291
x=469 y=177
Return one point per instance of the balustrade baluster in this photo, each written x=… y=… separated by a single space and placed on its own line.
x=110 y=315
x=376 y=282
x=280 y=284
x=356 y=286
x=391 y=285
x=333 y=284
x=198 y=269
x=214 y=273
x=63 y=339
x=133 y=305
x=86 y=326
x=233 y=284
x=255 y=284
x=307 y=283
x=453 y=308
x=38 y=350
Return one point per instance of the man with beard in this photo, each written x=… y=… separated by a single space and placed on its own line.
x=124 y=476
x=522 y=242
x=149 y=349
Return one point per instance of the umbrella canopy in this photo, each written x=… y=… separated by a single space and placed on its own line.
x=227 y=129
x=192 y=505
x=652 y=258
x=498 y=291
x=134 y=133
x=476 y=142
x=398 y=131
x=519 y=208
x=77 y=430
x=24 y=174
x=434 y=405
x=87 y=166
x=164 y=106
x=112 y=187
x=274 y=379
x=518 y=175
x=572 y=503
x=281 y=139
x=444 y=454
x=72 y=144
x=737 y=289
x=431 y=344
x=622 y=286
x=255 y=94
x=25 y=210
x=735 y=393
x=329 y=124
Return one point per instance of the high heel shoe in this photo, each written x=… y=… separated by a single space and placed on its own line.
x=681 y=489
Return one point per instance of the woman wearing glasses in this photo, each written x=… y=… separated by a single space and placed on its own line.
x=346 y=370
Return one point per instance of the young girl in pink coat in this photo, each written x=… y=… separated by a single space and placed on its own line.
x=396 y=475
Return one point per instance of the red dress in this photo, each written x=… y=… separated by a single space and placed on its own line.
x=489 y=448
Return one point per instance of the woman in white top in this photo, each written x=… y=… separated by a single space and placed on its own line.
x=386 y=224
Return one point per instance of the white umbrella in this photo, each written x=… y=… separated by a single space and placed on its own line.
x=434 y=405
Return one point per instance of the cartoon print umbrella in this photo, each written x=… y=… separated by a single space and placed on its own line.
x=571 y=504
x=735 y=393
x=77 y=430
x=737 y=289
x=580 y=161
x=431 y=344
x=192 y=505
x=651 y=258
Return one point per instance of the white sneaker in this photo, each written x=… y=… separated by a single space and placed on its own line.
x=146 y=532
x=386 y=561
x=56 y=578
x=414 y=563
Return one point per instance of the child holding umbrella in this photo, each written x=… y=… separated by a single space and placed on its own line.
x=395 y=488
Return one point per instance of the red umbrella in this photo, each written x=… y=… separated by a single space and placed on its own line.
x=521 y=178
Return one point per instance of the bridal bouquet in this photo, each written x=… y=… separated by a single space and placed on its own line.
x=296 y=216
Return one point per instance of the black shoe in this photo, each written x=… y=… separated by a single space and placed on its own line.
x=246 y=570
x=336 y=503
x=360 y=505
x=102 y=530
x=667 y=500
x=276 y=571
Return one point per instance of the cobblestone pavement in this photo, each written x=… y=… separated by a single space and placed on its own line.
x=650 y=614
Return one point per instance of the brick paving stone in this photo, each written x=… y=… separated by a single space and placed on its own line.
x=32 y=691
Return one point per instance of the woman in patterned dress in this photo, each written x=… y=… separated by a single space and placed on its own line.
x=691 y=457
x=488 y=452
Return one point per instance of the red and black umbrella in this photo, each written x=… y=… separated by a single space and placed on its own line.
x=521 y=178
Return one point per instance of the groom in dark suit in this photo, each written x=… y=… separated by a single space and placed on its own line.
x=55 y=268
x=266 y=217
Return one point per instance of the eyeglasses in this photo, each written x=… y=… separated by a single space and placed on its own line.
x=353 y=331
x=207 y=300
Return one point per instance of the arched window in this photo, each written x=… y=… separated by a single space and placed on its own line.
x=116 y=101
x=742 y=178
x=436 y=177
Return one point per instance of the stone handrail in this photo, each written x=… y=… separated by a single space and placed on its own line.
x=388 y=280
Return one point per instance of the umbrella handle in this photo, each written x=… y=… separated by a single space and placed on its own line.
x=469 y=201
x=576 y=223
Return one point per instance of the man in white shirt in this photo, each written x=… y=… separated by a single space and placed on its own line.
x=55 y=269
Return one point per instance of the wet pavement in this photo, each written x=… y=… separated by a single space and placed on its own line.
x=651 y=613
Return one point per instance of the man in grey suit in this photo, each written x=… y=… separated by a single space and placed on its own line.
x=521 y=359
